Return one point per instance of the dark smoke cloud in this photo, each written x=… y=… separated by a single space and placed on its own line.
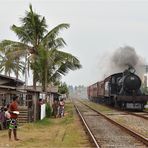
x=119 y=60
x=125 y=56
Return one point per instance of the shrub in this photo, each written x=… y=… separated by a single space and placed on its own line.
x=48 y=110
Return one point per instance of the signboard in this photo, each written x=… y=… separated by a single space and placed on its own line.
x=43 y=111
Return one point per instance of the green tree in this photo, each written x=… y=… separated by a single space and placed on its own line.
x=11 y=63
x=63 y=89
x=33 y=32
x=46 y=61
x=59 y=63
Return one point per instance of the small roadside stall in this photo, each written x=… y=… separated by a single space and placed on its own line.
x=52 y=93
x=45 y=97
x=8 y=89
x=28 y=101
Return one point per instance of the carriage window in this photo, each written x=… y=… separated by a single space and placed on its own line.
x=102 y=85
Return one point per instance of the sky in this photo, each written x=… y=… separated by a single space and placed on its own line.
x=97 y=28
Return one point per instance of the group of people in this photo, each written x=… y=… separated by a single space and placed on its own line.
x=58 y=108
x=8 y=117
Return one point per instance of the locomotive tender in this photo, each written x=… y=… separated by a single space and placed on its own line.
x=119 y=89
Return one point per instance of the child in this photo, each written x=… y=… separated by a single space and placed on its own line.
x=7 y=116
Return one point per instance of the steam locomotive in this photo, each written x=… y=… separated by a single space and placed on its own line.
x=119 y=89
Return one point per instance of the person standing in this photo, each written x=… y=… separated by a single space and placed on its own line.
x=61 y=108
x=2 y=118
x=13 y=109
x=7 y=116
x=55 y=106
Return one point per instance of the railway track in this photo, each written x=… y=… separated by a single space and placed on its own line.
x=136 y=121
x=133 y=122
x=94 y=140
x=112 y=134
x=143 y=115
x=140 y=114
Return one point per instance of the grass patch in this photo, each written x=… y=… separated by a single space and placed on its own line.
x=51 y=132
x=69 y=117
x=99 y=107
x=44 y=122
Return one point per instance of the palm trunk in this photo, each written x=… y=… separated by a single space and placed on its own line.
x=26 y=79
x=46 y=78
x=45 y=74
x=34 y=81
x=17 y=68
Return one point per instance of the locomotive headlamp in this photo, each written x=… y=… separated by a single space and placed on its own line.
x=132 y=70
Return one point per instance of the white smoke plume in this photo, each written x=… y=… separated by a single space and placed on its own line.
x=119 y=60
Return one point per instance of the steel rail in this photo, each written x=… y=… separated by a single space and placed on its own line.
x=138 y=115
x=88 y=129
x=127 y=112
x=131 y=113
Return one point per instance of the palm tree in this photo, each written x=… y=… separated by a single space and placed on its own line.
x=43 y=45
x=53 y=64
x=11 y=62
x=33 y=32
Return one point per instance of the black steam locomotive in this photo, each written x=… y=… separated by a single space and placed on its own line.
x=120 y=89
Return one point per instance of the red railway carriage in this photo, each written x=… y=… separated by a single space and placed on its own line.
x=96 y=91
x=92 y=91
